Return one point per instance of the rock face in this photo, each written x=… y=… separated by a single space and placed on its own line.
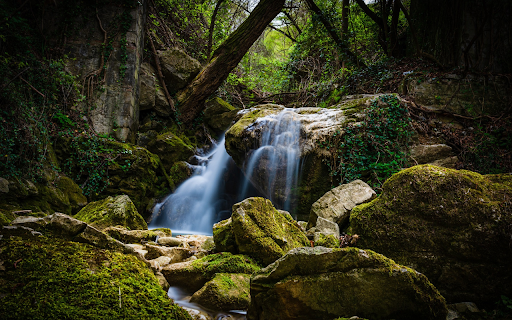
x=321 y=283
x=152 y=96
x=453 y=226
x=171 y=149
x=223 y=236
x=194 y=274
x=337 y=203
x=116 y=105
x=226 y=291
x=111 y=212
x=316 y=125
x=178 y=68
x=263 y=232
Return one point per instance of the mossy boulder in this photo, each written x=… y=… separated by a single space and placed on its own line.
x=194 y=274
x=61 y=194
x=224 y=237
x=48 y=278
x=328 y=241
x=171 y=148
x=219 y=114
x=178 y=68
x=321 y=283
x=226 y=291
x=263 y=232
x=453 y=226
x=113 y=211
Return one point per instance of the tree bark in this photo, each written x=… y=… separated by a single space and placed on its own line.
x=330 y=29
x=226 y=58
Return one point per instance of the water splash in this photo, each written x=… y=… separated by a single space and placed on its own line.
x=274 y=167
x=194 y=206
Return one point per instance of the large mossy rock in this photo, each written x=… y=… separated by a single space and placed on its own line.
x=194 y=274
x=317 y=125
x=219 y=114
x=224 y=237
x=113 y=212
x=264 y=232
x=226 y=291
x=178 y=68
x=171 y=149
x=61 y=194
x=132 y=170
x=453 y=226
x=48 y=278
x=321 y=283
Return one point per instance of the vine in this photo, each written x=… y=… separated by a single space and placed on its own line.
x=373 y=149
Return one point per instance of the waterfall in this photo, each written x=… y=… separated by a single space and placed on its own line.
x=274 y=167
x=193 y=207
x=207 y=196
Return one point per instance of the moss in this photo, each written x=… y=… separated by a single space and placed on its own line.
x=328 y=241
x=436 y=219
x=56 y=279
x=226 y=291
x=6 y=216
x=225 y=262
x=223 y=236
x=112 y=212
x=263 y=232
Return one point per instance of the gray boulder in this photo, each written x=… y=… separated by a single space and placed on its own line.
x=336 y=204
x=178 y=68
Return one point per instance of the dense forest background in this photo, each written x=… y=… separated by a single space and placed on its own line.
x=314 y=53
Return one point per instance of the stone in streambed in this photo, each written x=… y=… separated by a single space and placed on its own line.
x=194 y=274
x=226 y=291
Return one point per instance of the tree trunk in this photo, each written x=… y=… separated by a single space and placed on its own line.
x=226 y=58
x=212 y=28
x=332 y=32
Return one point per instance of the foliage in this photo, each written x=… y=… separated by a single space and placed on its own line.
x=55 y=279
x=373 y=149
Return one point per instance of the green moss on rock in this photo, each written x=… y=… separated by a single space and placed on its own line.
x=453 y=226
x=56 y=279
x=321 y=283
x=112 y=212
x=328 y=241
x=226 y=291
x=223 y=236
x=194 y=274
x=263 y=232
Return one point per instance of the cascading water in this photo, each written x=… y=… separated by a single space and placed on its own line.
x=193 y=207
x=274 y=167
x=273 y=171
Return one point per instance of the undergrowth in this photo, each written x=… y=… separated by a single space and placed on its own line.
x=374 y=149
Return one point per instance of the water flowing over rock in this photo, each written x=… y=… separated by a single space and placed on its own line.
x=194 y=205
x=453 y=226
x=271 y=141
x=321 y=283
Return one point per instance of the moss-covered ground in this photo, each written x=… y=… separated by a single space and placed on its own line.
x=48 y=278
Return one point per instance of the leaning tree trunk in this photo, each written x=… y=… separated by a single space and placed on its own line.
x=226 y=58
